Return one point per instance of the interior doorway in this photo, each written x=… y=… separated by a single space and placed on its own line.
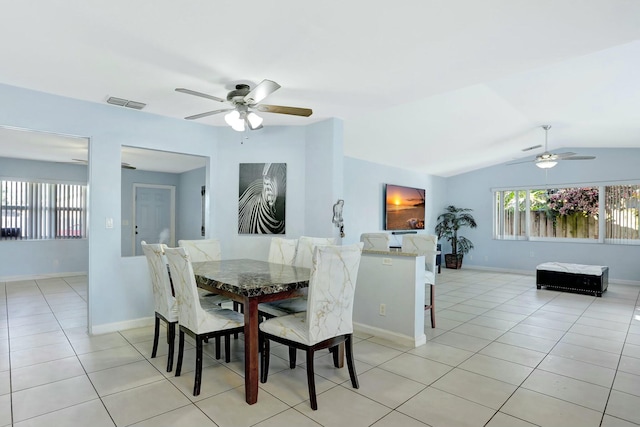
x=154 y=215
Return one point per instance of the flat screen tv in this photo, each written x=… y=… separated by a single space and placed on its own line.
x=404 y=208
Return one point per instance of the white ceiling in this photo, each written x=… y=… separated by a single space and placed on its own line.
x=478 y=78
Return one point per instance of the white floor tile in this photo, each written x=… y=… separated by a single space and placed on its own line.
x=341 y=406
x=42 y=354
x=495 y=328
x=441 y=409
x=571 y=390
x=229 y=409
x=476 y=388
x=576 y=369
x=624 y=406
x=125 y=377
x=543 y=410
x=502 y=370
x=140 y=403
x=394 y=419
x=91 y=413
x=110 y=358
x=627 y=383
x=417 y=368
x=187 y=416
x=386 y=387
x=44 y=373
x=51 y=397
x=515 y=354
x=504 y=420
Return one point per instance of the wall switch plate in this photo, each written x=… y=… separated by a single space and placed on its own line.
x=387 y=261
x=383 y=310
x=109 y=223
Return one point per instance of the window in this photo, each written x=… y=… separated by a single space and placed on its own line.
x=621 y=213
x=569 y=213
x=42 y=210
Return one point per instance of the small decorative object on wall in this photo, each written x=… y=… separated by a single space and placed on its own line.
x=404 y=208
x=261 y=204
x=337 y=216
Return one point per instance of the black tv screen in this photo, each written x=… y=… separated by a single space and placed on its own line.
x=404 y=208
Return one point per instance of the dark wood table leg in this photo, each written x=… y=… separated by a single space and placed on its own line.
x=251 y=361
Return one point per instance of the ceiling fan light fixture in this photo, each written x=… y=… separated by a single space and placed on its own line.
x=233 y=119
x=254 y=120
x=546 y=164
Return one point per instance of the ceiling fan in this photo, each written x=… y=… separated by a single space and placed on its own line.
x=244 y=101
x=548 y=160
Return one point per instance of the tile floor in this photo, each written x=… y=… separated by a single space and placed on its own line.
x=504 y=354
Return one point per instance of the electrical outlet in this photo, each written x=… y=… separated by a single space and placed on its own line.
x=387 y=261
x=383 y=310
x=470 y=257
x=532 y=254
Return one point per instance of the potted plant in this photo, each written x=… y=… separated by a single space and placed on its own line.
x=447 y=226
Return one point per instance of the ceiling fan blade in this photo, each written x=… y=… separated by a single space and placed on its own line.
x=260 y=92
x=519 y=162
x=279 y=109
x=563 y=155
x=208 y=113
x=579 y=158
x=200 y=94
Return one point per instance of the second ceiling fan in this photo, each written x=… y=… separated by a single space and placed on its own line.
x=547 y=159
x=244 y=102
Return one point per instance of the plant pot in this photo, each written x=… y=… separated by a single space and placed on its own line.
x=453 y=261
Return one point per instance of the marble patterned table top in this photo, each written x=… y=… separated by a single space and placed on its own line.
x=248 y=277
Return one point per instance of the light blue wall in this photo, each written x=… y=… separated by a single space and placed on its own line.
x=119 y=288
x=473 y=190
x=364 y=196
x=272 y=144
x=189 y=204
x=28 y=258
x=324 y=176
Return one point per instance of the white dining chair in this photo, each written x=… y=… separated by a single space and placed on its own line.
x=203 y=250
x=375 y=241
x=304 y=250
x=426 y=245
x=193 y=319
x=327 y=322
x=164 y=302
x=282 y=251
x=303 y=257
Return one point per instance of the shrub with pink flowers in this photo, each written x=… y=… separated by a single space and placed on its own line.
x=569 y=201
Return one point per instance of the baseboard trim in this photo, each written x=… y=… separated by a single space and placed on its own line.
x=106 y=328
x=41 y=276
x=402 y=339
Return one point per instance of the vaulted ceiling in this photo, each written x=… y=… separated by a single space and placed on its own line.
x=413 y=81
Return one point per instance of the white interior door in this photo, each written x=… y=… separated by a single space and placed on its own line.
x=154 y=215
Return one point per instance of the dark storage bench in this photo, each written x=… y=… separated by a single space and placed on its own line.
x=593 y=279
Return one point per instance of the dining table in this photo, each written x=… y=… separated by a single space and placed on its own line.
x=251 y=282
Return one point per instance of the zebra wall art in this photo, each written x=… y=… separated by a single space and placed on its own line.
x=261 y=203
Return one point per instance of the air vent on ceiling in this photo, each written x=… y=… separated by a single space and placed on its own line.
x=126 y=103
